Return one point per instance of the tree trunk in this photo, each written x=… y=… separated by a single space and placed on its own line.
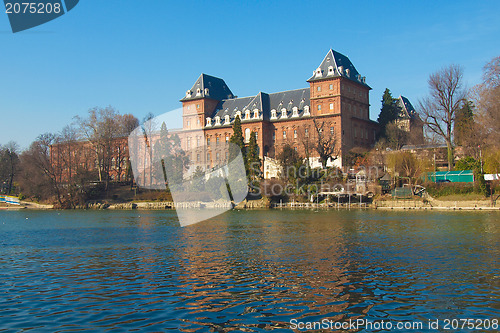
x=451 y=156
x=11 y=179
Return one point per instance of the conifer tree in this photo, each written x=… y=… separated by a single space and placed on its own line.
x=388 y=112
x=237 y=139
x=464 y=123
x=252 y=157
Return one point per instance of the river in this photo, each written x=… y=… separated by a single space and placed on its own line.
x=250 y=271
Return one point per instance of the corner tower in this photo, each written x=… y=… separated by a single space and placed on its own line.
x=201 y=100
x=337 y=89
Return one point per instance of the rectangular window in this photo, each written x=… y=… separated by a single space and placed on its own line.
x=319 y=107
x=208 y=141
x=331 y=106
x=198 y=141
x=189 y=142
x=284 y=134
x=331 y=86
x=217 y=140
x=332 y=130
x=256 y=135
x=197 y=157
x=319 y=88
x=227 y=139
x=197 y=106
x=306 y=132
x=295 y=134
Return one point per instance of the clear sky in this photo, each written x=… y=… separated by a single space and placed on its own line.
x=141 y=56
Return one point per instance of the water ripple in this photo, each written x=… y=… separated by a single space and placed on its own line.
x=243 y=271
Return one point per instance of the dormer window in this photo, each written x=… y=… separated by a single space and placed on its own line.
x=209 y=121
x=273 y=114
x=306 y=111
x=217 y=121
x=206 y=91
x=330 y=70
x=198 y=92
x=256 y=114
x=188 y=93
x=247 y=114
x=283 y=113
x=348 y=72
x=295 y=111
x=227 y=120
x=238 y=114
x=318 y=72
x=341 y=70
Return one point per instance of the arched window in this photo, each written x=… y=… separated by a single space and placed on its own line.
x=247 y=135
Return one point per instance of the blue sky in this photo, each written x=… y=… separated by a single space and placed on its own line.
x=141 y=56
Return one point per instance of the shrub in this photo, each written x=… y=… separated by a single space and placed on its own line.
x=443 y=189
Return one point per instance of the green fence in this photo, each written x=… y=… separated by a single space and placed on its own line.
x=464 y=176
x=402 y=193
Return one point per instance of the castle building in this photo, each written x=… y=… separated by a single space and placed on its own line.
x=335 y=107
x=409 y=121
x=335 y=104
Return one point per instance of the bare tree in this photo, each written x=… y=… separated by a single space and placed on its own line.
x=9 y=162
x=487 y=100
x=408 y=164
x=127 y=124
x=304 y=137
x=68 y=152
x=100 y=129
x=447 y=94
x=37 y=161
x=325 y=141
x=396 y=137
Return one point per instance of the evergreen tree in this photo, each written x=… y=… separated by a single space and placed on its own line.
x=238 y=175
x=237 y=139
x=252 y=156
x=388 y=113
x=464 y=123
x=198 y=180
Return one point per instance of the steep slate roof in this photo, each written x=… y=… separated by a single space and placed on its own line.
x=264 y=103
x=341 y=66
x=217 y=89
x=407 y=110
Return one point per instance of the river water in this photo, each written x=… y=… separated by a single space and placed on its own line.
x=246 y=271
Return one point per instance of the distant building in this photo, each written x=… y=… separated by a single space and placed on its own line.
x=409 y=121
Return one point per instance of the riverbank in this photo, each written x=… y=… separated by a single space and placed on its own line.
x=26 y=205
x=428 y=203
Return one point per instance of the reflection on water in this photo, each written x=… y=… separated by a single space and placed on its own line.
x=245 y=270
